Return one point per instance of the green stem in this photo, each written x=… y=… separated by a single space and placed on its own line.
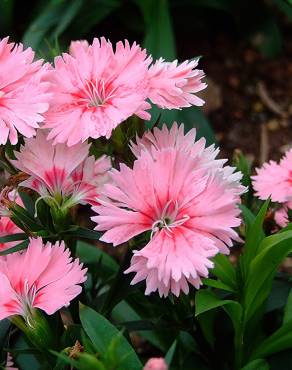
x=6 y=163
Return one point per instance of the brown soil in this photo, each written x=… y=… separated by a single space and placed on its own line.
x=249 y=102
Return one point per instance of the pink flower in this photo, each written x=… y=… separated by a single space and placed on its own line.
x=96 y=88
x=9 y=363
x=156 y=364
x=188 y=203
x=275 y=180
x=42 y=276
x=174 y=86
x=23 y=92
x=281 y=216
x=61 y=174
x=8 y=227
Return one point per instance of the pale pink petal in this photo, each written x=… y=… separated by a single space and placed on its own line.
x=24 y=93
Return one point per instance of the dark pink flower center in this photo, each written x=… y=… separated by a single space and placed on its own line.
x=96 y=93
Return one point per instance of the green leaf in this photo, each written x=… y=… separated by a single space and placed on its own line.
x=259 y=364
x=101 y=332
x=16 y=248
x=262 y=270
x=40 y=26
x=88 y=253
x=206 y=301
x=288 y=309
x=224 y=270
x=28 y=202
x=22 y=217
x=82 y=232
x=70 y=11
x=243 y=165
x=13 y=237
x=85 y=361
x=159 y=39
x=254 y=235
x=93 y=12
x=206 y=321
x=218 y=284
x=170 y=353
x=268 y=38
x=6 y=16
x=194 y=117
x=280 y=340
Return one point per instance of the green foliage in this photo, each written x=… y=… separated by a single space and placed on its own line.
x=101 y=332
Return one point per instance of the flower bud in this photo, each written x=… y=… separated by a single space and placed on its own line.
x=156 y=364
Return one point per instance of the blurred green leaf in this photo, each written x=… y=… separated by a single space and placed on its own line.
x=70 y=11
x=224 y=270
x=259 y=364
x=88 y=253
x=262 y=270
x=194 y=117
x=288 y=309
x=170 y=353
x=93 y=12
x=207 y=322
x=218 y=284
x=159 y=39
x=101 y=332
x=48 y=17
x=16 y=248
x=248 y=216
x=206 y=301
x=280 y=340
x=50 y=23
x=13 y=237
x=85 y=361
x=6 y=16
x=268 y=38
x=82 y=232
x=285 y=6
x=254 y=235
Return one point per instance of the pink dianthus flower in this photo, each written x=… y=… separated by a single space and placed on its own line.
x=62 y=174
x=188 y=203
x=275 y=180
x=96 y=88
x=42 y=276
x=174 y=86
x=23 y=92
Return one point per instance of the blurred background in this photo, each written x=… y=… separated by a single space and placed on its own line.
x=245 y=45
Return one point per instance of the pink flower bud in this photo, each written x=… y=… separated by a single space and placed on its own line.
x=156 y=364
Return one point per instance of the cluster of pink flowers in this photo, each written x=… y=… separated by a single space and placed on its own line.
x=177 y=191
x=274 y=180
x=89 y=91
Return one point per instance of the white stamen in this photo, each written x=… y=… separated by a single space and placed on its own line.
x=165 y=221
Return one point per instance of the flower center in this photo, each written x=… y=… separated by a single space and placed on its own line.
x=27 y=297
x=97 y=93
x=168 y=219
